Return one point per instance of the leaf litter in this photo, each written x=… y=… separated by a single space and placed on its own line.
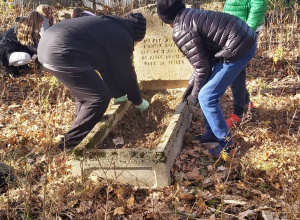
x=263 y=183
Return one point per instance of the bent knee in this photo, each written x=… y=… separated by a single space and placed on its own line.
x=208 y=100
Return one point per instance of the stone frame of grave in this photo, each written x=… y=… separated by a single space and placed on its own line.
x=149 y=168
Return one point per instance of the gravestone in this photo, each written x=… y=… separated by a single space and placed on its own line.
x=157 y=57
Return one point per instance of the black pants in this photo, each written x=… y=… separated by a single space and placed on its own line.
x=92 y=99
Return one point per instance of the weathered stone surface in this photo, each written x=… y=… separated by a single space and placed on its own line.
x=142 y=167
x=102 y=129
x=157 y=57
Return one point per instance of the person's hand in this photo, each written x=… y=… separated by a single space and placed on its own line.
x=120 y=100
x=192 y=100
x=187 y=92
x=143 y=106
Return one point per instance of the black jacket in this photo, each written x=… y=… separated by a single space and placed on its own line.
x=104 y=43
x=10 y=43
x=208 y=36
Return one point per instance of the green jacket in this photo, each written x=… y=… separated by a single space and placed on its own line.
x=251 y=11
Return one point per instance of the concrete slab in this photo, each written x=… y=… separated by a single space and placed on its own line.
x=141 y=167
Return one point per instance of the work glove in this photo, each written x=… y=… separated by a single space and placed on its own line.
x=192 y=100
x=143 y=106
x=187 y=92
x=120 y=100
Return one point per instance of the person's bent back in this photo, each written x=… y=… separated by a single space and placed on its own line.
x=73 y=49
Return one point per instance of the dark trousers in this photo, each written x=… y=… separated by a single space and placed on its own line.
x=240 y=93
x=92 y=99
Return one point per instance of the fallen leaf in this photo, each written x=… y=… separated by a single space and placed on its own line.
x=187 y=197
x=119 y=192
x=130 y=201
x=119 y=211
x=118 y=140
x=247 y=213
x=201 y=204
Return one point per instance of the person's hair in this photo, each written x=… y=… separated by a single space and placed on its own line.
x=20 y=18
x=77 y=12
x=27 y=30
x=45 y=10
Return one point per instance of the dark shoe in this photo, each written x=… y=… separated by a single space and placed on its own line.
x=12 y=71
x=226 y=151
x=206 y=138
x=63 y=147
x=6 y=174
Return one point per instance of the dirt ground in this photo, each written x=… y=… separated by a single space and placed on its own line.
x=137 y=130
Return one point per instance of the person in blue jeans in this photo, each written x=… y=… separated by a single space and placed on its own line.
x=218 y=46
x=253 y=13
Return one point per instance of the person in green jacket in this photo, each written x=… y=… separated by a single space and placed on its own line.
x=253 y=13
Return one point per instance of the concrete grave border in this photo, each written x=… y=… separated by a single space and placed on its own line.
x=141 y=167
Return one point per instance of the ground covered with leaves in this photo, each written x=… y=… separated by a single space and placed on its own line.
x=145 y=130
x=260 y=183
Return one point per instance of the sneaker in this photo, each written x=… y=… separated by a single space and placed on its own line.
x=206 y=138
x=225 y=152
x=232 y=120
x=12 y=71
x=247 y=106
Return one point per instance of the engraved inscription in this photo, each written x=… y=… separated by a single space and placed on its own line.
x=160 y=51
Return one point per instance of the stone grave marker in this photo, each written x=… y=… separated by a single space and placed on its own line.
x=157 y=57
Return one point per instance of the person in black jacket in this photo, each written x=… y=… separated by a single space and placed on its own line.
x=73 y=49
x=218 y=46
x=19 y=44
x=79 y=12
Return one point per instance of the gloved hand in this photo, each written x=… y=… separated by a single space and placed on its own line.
x=143 y=106
x=120 y=99
x=187 y=92
x=192 y=100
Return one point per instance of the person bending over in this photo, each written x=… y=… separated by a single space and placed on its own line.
x=73 y=49
x=218 y=46
x=253 y=13
x=46 y=11
x=78 y=12
x=19 y=44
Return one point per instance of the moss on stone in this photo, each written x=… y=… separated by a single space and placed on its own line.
x=160 y=158
x=78 y=152
x=114 y=153
x=102 y=154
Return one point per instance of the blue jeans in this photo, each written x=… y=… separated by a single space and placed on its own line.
x=240 y=93
x=222 y=76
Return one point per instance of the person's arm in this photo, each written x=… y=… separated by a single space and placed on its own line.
x=33 y=49
x=193 y=47
x=121 y=63
x=257 y=13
